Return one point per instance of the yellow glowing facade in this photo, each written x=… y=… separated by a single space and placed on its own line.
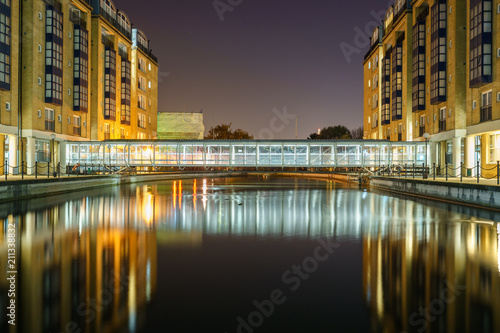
x=81 y=73
x=431 y=68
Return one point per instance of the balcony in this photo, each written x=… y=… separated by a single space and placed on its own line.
x=149 y=53
x=50 y=125
x=108 y=41
x=57 y=5
x=486 y=114
x=76 y=17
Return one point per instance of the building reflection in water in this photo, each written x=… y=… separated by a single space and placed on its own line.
x=426 y=270
x=91 y=263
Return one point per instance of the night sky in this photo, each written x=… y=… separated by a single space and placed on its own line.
x=265 y=55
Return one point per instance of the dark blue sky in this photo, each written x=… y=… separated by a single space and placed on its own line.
x=264 y=55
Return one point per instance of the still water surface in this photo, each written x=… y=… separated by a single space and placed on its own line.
x=248 y=255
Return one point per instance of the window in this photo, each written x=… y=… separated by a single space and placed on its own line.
x=42 y=151
x=142 y=102
x=375 y=120
x=494 y=149
x=142 y=64
x=77 y=129
x=5 y=12
x=141 y=121
x=107 y=134
x=149 y=66
x=141 y=83
x=422 y=126
x=386 y=89
x=80 y=82
x=442 y=119
x=486 y=106
x=125 y=92
x=110 y=84
x=400 y=132
x=418 y=79
x=49 y=120
x=389 y=134
x=397 y=82
x=142 y=43
x=53 y=55
x=438 y=52
x=108 y=10
x=122 y=133
x=375 y=101
x=124 y=24
x=149 y=84
x=480 y=65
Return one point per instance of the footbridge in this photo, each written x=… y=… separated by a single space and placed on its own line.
x=250 y=154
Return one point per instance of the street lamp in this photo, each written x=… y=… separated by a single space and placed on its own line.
x=426 y=137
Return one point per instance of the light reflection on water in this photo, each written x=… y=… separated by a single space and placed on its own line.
x=91 y=261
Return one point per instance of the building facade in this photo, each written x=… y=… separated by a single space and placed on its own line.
x=74 y=75
x=431 y=69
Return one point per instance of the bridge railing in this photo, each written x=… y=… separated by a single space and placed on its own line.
x=287 y=153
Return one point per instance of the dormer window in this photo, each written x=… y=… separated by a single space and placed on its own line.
x=124 y=23
x=108 y=8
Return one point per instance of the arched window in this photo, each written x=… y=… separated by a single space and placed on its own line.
x=124 y=22
x=142 y=40
x=388 y=17
x=108 y=7
x=399 y=6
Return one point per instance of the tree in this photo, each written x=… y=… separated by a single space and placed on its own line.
x=357 y=133
x=338 y=132
x=224 y=132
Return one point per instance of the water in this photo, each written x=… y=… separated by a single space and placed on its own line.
x=249 y=255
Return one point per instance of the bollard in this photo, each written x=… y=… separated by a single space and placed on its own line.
x=36 y=170
x=461 y=171
x=406 y=171
x=498 y=172
x=477 y=172
x=22 y=169
x=413 y=171
x=59 y=169
x=48 y=169
x=434 y=170
x=423 y=171
x=446 y=171
x=6 y=169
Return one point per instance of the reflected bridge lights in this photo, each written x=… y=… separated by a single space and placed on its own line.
x=204 y=195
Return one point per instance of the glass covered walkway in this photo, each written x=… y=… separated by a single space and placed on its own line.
x=245 y=153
